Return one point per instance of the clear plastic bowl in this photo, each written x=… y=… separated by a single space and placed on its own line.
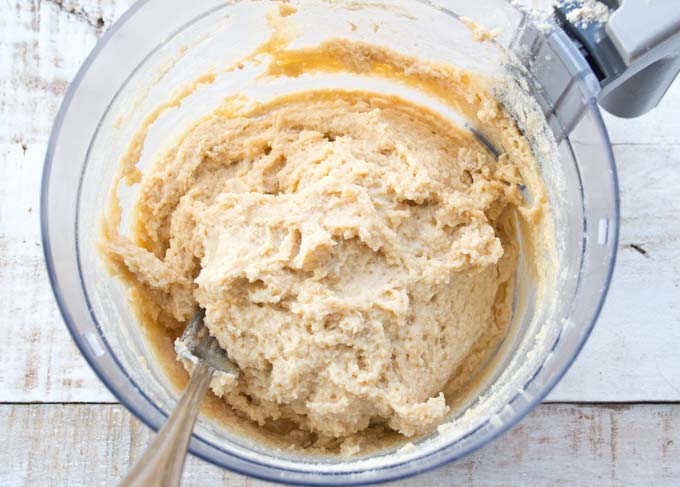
x=160 y=44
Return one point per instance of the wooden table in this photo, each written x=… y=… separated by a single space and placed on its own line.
x=613 y=420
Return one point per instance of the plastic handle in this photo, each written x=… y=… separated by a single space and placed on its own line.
x=636 y=54
x=162 y=463
x=646 y=36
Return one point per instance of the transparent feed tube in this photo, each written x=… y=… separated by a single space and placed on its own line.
x=137 y=64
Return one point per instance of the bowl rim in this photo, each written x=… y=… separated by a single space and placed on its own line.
x=394 y=471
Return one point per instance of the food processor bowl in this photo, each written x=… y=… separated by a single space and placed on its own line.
x=158 y=46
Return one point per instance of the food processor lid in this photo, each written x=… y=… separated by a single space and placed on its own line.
x=635 y=54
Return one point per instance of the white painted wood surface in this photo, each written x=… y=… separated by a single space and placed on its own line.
x=558 y=445
x=632 y=356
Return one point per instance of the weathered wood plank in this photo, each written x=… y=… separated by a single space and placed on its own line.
x=42 y=363
x=47 y=40
x=557 y=445
x=43 y=43
x=631 y=355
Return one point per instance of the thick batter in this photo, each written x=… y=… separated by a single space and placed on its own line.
x=352 y=250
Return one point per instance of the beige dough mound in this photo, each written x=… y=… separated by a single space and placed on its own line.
x=350 y=250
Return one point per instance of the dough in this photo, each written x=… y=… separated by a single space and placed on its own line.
x=352 y=250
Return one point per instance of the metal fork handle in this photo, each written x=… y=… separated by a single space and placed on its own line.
x=162 y=463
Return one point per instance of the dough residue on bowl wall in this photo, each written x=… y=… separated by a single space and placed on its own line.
x=355 y=252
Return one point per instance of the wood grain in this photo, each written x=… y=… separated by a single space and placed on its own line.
x=631 y=356
x=43 y=42
x=43 y=364
x=557 y=445
x=47 y=40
